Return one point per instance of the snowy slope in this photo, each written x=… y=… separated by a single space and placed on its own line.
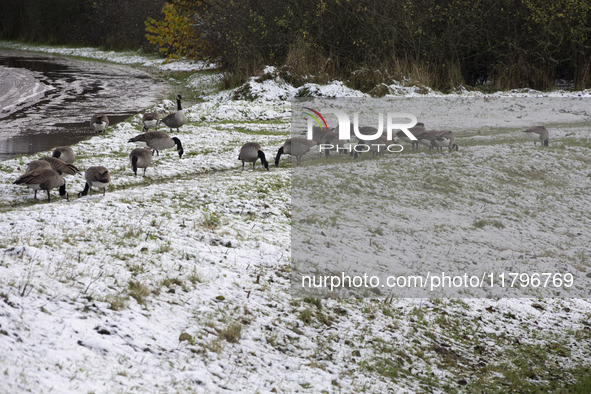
x=180 y=281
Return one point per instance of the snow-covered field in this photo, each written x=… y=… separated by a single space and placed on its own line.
x=180 y=281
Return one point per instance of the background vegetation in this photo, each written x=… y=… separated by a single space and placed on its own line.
x=110 y=24
x=442 y=44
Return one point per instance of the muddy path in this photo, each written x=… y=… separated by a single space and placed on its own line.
x=47 y=101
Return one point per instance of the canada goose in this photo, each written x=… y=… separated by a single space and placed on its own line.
x=251 y=152
x=150 y=119
x=158 y=140
x=318 y=133
x=366 y=130
x=97 y=176
x=416 y=130
x=60 y=166
x=426 y=138
x=140 y=158
x=99 y=122
x=36 y=164
x=43 y=179
x=295 y=146
x=538 y=133
x=369 y=131
x=64 y=153
x=332 y=138
x=445 y=139
x=377 y=146
x=176 y=119
x=438 y=139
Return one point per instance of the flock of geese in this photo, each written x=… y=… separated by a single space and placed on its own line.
x=299 y=146
x=46 y=173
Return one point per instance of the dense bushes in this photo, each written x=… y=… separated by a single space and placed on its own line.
x=112 y=24
x=512 y=43
x=439 y=43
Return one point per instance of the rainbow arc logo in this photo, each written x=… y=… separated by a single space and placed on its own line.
x=316 y=116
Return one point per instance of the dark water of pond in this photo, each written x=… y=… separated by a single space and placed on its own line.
x=47 y=101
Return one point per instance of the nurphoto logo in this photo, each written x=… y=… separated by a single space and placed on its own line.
x=368 y=137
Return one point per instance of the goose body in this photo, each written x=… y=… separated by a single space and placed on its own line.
x=43 y=179
x=365 y=130
x=158 y=140
x=438 y=139
x=538 y=133
x=294 y=146
x=60 y=166
x=427 y=138
x=446 y=139
x=140 y=158
x=150 y=120
x=377 y=146
x=332 y=138
x=176 y=119
x=96 y=176
x=64 y=153
x=318 y=134
x=417 y=130
x=250 y=153
x=99 y=122
x=37 y=164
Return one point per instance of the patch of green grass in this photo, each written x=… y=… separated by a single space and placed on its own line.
x=441 y=184
x=582 y=384
x=377 y=231
x=418 y=312
x=168 y=282
x=387 y=364
x=215 y=346
x=138 y=291
x=309 y=315
x=231 y=333
x=306 y=315
x=195 y=278
x=185 y=337
x=481 y=223
x=317 y=302
x=117 y=302
x=136 y=269
x=163 y=247
x=210 y=220
x=131 y=232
